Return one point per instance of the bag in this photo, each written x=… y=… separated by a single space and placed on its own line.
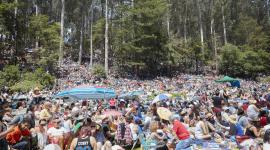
x=239 y=130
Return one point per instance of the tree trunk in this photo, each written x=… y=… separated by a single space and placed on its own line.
x=200 y=24
x=224 y=24
x=81 y=42
x=91 y=37
x=37 y=38
x=185 y=23
x=15 y=30
x=267 y=8
x=168 y=19
x=213 y=35
x=61 y=33
x=201 y=31
x=106 y=37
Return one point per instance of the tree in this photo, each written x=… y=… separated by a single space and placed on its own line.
x=10 y=75
x=231 y=60
x=106 y=38
x=62 y=32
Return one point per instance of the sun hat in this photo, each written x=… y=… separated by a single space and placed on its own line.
x=252 y=101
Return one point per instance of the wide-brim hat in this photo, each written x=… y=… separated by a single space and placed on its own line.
x=36 y=89
x=164 y=113
x=252 y=101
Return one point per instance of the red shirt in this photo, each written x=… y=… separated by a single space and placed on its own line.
x=15 y=136
x=180 y=130
x=112 y=102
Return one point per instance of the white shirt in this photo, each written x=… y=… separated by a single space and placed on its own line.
x=57 y=132
x=251 y=112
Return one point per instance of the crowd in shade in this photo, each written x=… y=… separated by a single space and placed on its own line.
x=186 y=112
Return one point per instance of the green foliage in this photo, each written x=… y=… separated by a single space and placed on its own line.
x=9 y=76
x=247 y=63
x=144 y=36
x=249 y=32
x=48 y=38
x=231 y=60
x=99 y=71
x=40 y=76
x=26 y=86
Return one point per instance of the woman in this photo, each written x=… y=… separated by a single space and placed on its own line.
x=3 y=128
x=252 y=131
x=266 y=139
x=253 y=111
x=158 y=135
x=201 y=129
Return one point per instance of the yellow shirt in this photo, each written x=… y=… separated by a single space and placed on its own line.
x=44 y=114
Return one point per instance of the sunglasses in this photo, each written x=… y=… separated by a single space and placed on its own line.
x=43 y=124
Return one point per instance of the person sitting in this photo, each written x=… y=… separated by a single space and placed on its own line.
x=57 y=133
x=201 y=129
x=46 y=111
x=266 y=139
x=252 y=131
x=41 y=131
x=181 y=133
x=15 y=138
x=157 y=135
x=84 y=141
x=123 y=134
x=253 y=111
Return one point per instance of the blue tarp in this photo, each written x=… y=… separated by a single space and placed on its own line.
x=235 y=83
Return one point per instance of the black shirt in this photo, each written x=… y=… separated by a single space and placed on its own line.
x=217 y=101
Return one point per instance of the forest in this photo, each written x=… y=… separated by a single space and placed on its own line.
x=143 y=38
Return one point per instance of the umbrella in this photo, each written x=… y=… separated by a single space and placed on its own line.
x=164 y=113
x=20 y=97
x=112 y=113
x=160 y=97
x=131 y=94
x=80 y=93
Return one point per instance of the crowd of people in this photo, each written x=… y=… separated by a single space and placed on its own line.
x=198 y=114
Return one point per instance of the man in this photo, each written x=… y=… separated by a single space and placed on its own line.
x=57 y=133
x=41 y=131
x=83 y=142
x=14 y=138
x=217 y=102
x=180 y=133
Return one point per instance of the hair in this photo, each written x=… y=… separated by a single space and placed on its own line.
x=42 y=120
x=266 y=137
x=240 y=111
x=83 y=131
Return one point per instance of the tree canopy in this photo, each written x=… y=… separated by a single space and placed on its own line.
x=146 y=38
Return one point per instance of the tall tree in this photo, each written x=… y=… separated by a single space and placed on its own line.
x=106 y=38
x=61 y=32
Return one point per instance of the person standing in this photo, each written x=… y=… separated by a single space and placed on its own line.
x=112 y=103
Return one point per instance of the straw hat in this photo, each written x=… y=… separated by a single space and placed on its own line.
x=164 y=113
x=232 y=119
x=252 y=101
x=36 y=89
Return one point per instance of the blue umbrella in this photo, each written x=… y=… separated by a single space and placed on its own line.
x=131 y=94
x=160 y=97
x=88 y=93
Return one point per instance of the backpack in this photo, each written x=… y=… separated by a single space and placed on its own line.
x=239 y=130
